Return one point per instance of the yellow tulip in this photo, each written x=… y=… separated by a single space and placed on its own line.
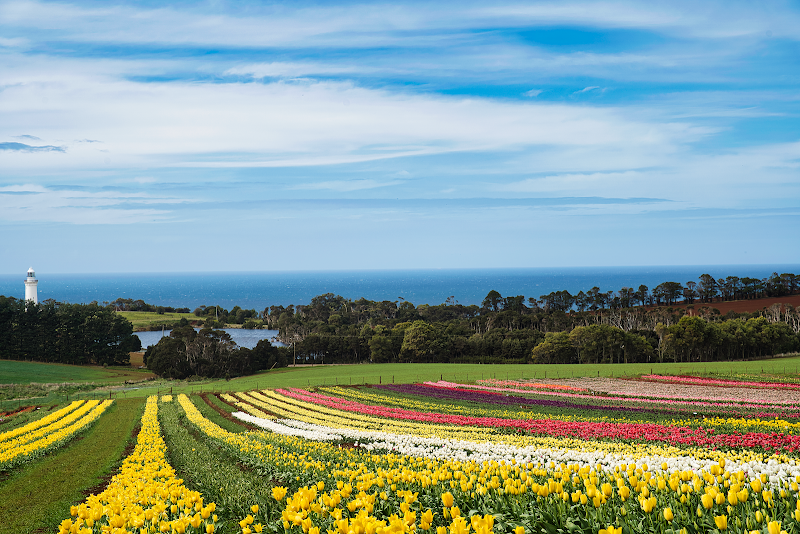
x=668 y=514
x=721 y=521
x=447 y=499
x=278 y=493
x=774 y=527
x=519 y=530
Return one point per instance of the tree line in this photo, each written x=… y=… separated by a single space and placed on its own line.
x=56 y=332
x=139 y=305
x=209 y=353
x=590 y=327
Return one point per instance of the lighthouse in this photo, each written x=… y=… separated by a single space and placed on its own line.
x=30 y=287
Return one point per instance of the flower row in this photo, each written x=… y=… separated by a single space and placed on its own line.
x=145 y=496
x=674 y=435
x=423 y=439
x=33 y=444
x=343 y=489
x=464 y=450
x=644 y=395
x=485 y=399
x=683 y=379
x=527 y=385
x=38 y=423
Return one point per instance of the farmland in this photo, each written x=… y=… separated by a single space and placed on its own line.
x=150 y=320
x=435 y=450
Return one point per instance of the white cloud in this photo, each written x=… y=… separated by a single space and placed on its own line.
x=699 y=180
x=290 y=124
x=586 y=89
x=533 y=92
x=33 y=202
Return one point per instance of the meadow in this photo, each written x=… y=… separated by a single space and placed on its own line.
x=450 y=449
x=151 y=320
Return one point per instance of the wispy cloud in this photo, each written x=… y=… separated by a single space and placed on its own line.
x=367 y=25
x=22 y=147
x=586 y=89
x=533 y=92
x=290 y=70
x=33 y=202
x=287 y=124
x=28 y=137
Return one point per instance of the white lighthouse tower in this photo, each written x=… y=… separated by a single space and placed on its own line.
x=30 y=287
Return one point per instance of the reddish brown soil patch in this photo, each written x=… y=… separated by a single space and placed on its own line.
x=17 y=411
x=742 y=306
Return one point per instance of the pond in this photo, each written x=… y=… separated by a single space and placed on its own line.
x=241 y=336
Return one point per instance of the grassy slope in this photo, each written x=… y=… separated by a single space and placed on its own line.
x=19 y=372
x=37 y=498
x=399 y=373
x=141 y=320
x=409 y=373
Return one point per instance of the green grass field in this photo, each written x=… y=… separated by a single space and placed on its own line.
x=26 y=372
x=17 y=372
x=409 y=373
x=144 y=320
x=64 y=382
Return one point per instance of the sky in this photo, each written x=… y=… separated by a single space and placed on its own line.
x=256 y=136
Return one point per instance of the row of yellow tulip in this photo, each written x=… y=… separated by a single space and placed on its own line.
x=304 y=411
x=33 y=444
x=145 y=496
x=38 y=423
x=33 y=435
x=372 y=485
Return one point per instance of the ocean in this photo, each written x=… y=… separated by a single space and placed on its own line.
x=259 y=290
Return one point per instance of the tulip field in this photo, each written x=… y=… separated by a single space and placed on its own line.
x=34 y=439
x=650 y=454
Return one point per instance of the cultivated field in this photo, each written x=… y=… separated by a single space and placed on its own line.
x=445 y=449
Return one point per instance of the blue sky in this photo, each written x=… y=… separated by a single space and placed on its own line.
x=224 y=136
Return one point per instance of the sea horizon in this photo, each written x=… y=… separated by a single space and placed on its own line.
x=260 y=289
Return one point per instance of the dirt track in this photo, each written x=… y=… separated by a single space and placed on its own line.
x=741 y=306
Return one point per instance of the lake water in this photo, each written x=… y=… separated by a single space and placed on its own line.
x=257 y=291
x=242 y=337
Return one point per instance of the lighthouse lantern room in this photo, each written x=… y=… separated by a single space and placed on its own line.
x=30 y=287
